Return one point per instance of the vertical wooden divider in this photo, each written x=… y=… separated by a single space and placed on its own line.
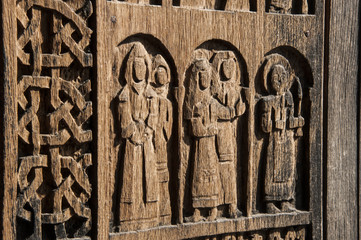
x=102 y=162
x=9 y=139
x=342 y=216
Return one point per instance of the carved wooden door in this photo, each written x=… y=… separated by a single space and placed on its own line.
x=161 y=119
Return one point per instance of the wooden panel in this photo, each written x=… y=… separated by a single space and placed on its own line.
x=9 y=140
x=177 y=36
x=103 y=166
x=342 y=120
x=207 y=119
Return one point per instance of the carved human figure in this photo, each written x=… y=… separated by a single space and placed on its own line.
x=288 y=6
x=162 y=133
x=228 y=93
x=205 y=111
x=280 y=122
x=139 y=196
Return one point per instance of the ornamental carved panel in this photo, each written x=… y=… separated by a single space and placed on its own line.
x=164 y=119
x=54 y=119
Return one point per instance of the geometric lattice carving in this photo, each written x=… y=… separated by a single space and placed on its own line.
x=53 y=118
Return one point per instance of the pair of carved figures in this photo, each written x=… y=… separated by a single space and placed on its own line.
x=213 y=104
x=146 y=117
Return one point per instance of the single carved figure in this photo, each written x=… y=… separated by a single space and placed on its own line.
x=288 y=6
x=280 y=122
x=228 y=93
x=205 y=112
x=138 y=110
x=162 y=133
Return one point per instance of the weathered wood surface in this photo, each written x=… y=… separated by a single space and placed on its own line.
x=342 y=120
x=9 y=133
x=219 y=227
x=47 y=123
x=188 y=54
x=149 y=119
x=103 y=166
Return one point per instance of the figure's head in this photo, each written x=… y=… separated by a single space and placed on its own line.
x=279 y=79
x=139 y=69
x=161 y=76
x=161 y=71
x=138 y=65
x=203 y=71
x=277 y=74
x=228 y=69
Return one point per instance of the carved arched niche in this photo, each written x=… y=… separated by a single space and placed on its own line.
x=282 y=127
x=142 y=134
x=214 y=148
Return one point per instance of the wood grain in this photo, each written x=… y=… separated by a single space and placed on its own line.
x=102 y=163
x=9 y=141
x=223 y=226
x=207 y=119
x=342 y=120
x=296 y=37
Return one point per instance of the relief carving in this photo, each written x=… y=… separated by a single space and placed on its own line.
x=288 y=6
x=228 y=93
x=283 y=123
x=142 y=2
x=291 y=234
x=297 y=233
x=213 y=104
x=200 y=146
x=223 y=5
x=162 y=133
x=145 y=115
x=54 y=119
x=229 y=5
